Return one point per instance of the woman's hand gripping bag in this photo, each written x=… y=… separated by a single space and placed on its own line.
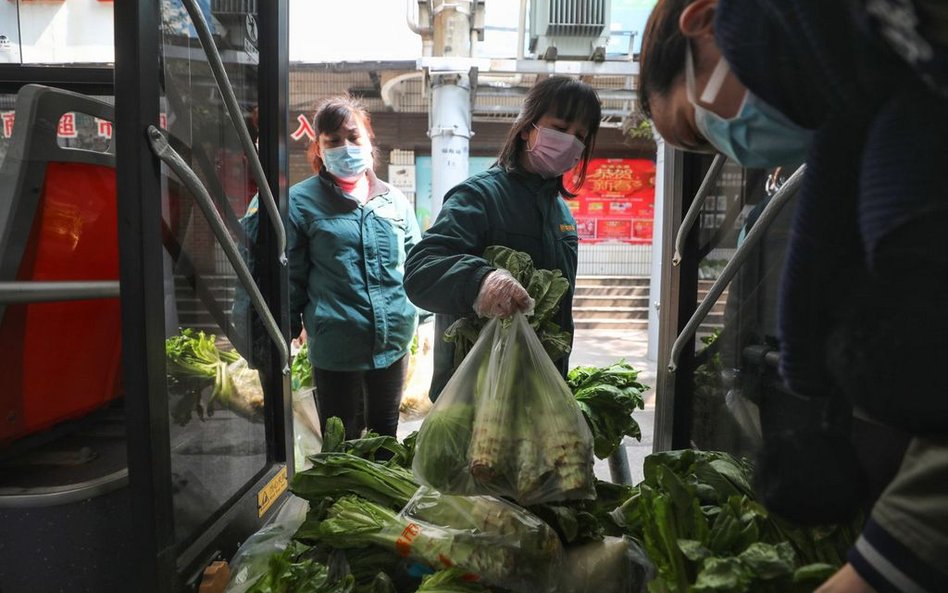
x=506 y=424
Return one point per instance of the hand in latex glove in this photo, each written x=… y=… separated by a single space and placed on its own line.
x=502 y=296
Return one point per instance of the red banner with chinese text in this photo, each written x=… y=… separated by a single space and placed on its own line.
x=617 y=201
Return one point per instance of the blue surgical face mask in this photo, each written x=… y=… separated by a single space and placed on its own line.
x=758 y=137
x=347 y=161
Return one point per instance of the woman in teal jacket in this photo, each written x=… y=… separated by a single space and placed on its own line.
x=348 y=236
x=517 y=203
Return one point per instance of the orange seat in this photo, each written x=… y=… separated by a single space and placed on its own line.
x=58 y=221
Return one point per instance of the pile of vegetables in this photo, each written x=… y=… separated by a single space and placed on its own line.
x=197 y=366
x=693 y=525
x=699 y=522
x=370 y=528
x=547 y=289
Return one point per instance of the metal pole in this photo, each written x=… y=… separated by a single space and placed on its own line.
x=450 y=116
x=619 y=466
x=49 y=292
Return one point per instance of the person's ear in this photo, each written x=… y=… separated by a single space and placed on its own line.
x=697 y=19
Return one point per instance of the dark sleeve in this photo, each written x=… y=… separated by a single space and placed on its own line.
x=444 y=270
x=905 y=542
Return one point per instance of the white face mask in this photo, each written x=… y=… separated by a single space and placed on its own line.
x=554 y=152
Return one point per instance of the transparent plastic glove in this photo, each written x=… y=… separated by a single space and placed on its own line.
x=502 y=296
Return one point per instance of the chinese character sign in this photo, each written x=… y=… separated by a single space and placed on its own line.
x=616 y=202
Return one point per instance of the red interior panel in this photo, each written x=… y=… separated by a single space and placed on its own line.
x=60 y=360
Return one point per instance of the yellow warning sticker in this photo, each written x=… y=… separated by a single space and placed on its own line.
x=272 y=491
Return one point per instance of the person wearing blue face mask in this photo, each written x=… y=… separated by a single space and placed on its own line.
x=857 y=89
x=347 y=239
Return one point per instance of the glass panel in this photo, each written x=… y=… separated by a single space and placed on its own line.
x=76 y=129
x=731 y=344
x=218 y=438
x=7 y=117
x=9 y=33
x=59 y=32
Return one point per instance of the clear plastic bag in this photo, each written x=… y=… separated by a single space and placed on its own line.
x=252 y=558
x=307 y=439
x=244 y=394
x=613 y=565
x=506 y=424
x=415 y=401
x=496 y=542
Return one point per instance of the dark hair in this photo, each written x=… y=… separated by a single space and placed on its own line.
x=662 y=57
x=331 y=113
x=568 y=99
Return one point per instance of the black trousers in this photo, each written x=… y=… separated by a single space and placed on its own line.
x=362 y=399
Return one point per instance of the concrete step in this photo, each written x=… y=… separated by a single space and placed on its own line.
x=611 y=281
x=609 y=301
x=611 y=324
x=599 y=290
x=610 y=313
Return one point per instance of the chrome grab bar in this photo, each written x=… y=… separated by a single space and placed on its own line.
x=233 y=110
x=692 y=215
x=25 y=291
x=756 y=233
x=170 y=157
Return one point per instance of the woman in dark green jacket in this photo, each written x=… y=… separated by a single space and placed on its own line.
x=517 y=203
x=348 y=236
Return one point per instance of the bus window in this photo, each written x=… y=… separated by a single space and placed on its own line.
x=58 y=32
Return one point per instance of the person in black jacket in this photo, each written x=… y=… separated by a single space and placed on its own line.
x=857 y=89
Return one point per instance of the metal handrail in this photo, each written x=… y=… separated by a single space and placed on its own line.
x=692 y=215
x=25 y=291
x=233 y=110
x=170 y=157
x=754 y=236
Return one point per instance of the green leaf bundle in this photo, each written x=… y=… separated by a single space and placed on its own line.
x=547 y=289
x=607 y=397
x=334 y=474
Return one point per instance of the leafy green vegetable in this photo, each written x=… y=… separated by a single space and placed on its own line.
x=451 y=580
x=697 y=518
x=292 y=572
x=194 y=361
x=579 y=521
x=546 y=287
x=334 y=474
x=301 y=370
x=607 y=397
x=448 y=430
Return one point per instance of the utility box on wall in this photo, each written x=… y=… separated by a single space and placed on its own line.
x=571 y=29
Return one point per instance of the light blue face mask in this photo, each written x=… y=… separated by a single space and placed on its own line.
x=757 y=137
x=347 y=161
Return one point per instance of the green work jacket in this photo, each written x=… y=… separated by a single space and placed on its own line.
x=515 y=209
x=347 y=263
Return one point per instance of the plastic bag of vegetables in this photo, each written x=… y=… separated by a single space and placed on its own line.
x=507 y=424
x=491 y=540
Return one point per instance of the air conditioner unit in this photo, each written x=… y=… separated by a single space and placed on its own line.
x=572 y=29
